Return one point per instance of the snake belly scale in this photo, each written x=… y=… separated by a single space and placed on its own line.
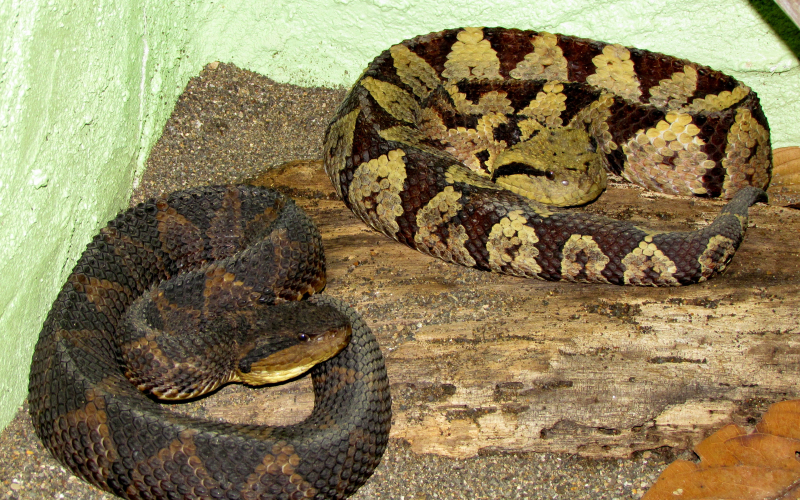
x=235 y=247
x=458 y=143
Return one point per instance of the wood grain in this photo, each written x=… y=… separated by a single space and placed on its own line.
x=481 y=363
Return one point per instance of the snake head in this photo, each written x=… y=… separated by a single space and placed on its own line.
x=178 y=359
x=287 y=339
x=558 y=167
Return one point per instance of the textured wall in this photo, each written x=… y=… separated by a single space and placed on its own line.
x=86 y=88
x=329 y=42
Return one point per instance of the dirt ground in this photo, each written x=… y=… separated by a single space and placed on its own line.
x=502 y=387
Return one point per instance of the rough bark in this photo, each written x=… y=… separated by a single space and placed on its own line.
x=480 y=362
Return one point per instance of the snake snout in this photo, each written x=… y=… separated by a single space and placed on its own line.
x=290 y=341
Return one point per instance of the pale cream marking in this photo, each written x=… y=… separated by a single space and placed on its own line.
x=510 y=236
x=375 y=191
x=596 y=260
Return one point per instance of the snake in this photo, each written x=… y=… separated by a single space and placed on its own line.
x=464 y=144
x=178 y=296
x=467 y=144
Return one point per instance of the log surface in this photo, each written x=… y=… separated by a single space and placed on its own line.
x=480 y=362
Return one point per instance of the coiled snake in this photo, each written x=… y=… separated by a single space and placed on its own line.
x=438 y=145
x=444 y=139
x=220 y=249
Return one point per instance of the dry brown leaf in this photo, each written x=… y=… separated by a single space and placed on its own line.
x=762 y=465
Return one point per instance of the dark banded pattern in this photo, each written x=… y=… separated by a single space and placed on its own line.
x=458 y=144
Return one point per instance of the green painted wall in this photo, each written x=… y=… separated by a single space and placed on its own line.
x=329 y=42
x=85 y=87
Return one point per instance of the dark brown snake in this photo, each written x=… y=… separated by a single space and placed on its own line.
x=208 y=251
x=439 y=145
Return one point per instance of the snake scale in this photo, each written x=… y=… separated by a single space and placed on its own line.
x=201 y=253
x=446 y=139
x=458 y=144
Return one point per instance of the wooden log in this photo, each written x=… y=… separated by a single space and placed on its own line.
x=480 y=362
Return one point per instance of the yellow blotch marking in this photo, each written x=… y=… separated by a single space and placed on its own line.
x=396 y=101
x=744 y=166
x=674 y=92
x=464 y=143
x=493 y=102
x=668 y=157
x=715 y=257
x=512 y=246
x=489 y=102
x=742 y=220
x=718 y=102
x=375 y=191
x=460 y=101
x=472 y=57
x=596 y=260
x=548 y=105
x=457 y=173
x=414 y=71
x=410 y=136
x=648 y=256
x=546 y=62
x=615 y=73
x=437 y=213
x=596 y=115
x=338 y=145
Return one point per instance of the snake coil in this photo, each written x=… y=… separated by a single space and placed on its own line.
x=233 y=245
x=446 y=139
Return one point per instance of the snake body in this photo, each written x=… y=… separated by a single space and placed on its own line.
x=203 y=253
x=446 y=140
x=442 y=144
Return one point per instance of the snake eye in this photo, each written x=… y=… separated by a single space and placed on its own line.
x=303 y=337
x=550 y=175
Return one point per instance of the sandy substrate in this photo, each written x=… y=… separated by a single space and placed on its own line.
x=231 y=125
